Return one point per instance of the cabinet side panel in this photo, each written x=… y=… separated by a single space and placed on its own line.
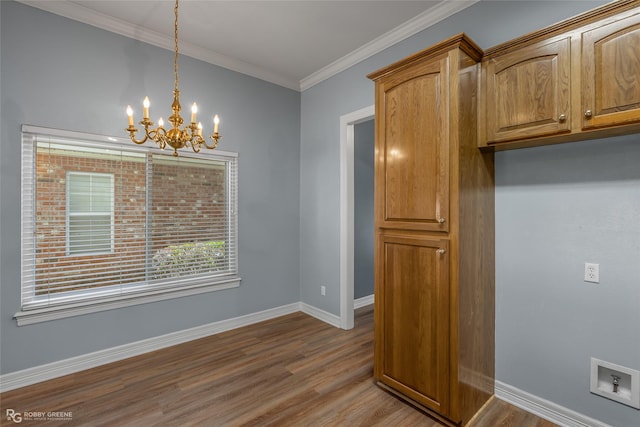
x=476 y=277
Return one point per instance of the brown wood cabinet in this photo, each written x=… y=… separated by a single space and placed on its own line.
x=415 y=343
x=528 y=91
x=611 y=73
x=434 y=220
x=576 y=80
x=416 y=148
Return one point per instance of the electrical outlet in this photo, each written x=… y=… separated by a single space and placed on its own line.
x=591 y=272
x=323 y=290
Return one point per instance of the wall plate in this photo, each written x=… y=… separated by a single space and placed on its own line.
x=628 y=389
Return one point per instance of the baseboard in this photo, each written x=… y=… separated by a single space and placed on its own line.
x=57 y=369
x=29 y=376
x=543 y=408
x=325 y=316
x=364 y=301
x=13 y=380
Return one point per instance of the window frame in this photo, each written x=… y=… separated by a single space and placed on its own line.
x=79 y=302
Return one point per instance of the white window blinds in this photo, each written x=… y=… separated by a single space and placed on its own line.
x=109 y=220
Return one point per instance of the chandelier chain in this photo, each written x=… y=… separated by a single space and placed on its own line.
x=175 y=58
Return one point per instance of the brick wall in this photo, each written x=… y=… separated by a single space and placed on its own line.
x=187 y=205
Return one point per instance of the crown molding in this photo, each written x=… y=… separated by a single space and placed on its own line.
x=421 y=22
x=88 y=16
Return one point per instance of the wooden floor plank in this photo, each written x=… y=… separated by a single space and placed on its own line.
x=290 y=371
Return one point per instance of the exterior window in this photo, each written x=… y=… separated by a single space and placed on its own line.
x=89 y=213
x=108 y=223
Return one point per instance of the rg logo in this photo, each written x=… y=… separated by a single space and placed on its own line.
x=14 y=416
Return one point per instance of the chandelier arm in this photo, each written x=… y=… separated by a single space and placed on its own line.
x=195 y=138
x=132 y=133
x=159 y=139
x=215 y=137
x=156 y=134
x=196 y=144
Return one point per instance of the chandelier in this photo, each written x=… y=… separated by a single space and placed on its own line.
x=176 y=137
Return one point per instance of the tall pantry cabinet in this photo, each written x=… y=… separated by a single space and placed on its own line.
x=434 y=226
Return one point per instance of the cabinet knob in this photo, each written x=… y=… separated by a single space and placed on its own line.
x=441 y=220
x=562 y=118
x=588 y=114
x=440 y=251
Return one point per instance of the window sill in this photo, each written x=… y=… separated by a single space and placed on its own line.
x=37 y=315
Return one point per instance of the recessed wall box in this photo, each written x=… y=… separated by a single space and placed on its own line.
x=615 y=382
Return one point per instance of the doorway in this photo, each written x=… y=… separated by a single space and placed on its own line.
x=347 y=211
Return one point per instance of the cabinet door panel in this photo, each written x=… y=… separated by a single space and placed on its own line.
x=413 y=326
x=528 y=92
x=611 y=74
x=413 y=160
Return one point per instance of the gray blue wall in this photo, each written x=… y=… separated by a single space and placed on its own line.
x=363 y=160
x=63 y=74
x=59 y=73
x=487 y=22
x=548 y=323
x=558 y=207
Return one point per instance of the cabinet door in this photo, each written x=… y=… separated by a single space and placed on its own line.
x=412 y=148
x=412 y=318
x=528 y=92
x=611 y=74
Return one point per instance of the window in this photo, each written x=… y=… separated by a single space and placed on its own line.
x=89 y=213
x=106 y=223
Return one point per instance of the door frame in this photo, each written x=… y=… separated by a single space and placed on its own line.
x=347 y=208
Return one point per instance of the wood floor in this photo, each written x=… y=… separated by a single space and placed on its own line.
x=290 y=371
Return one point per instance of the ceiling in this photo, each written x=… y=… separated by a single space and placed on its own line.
x=295 y=44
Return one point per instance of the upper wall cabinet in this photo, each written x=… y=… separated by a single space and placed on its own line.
x=576 y=80
x=611 y=74
x=528 y=92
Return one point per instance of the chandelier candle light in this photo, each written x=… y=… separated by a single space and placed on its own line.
x=176 y=138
